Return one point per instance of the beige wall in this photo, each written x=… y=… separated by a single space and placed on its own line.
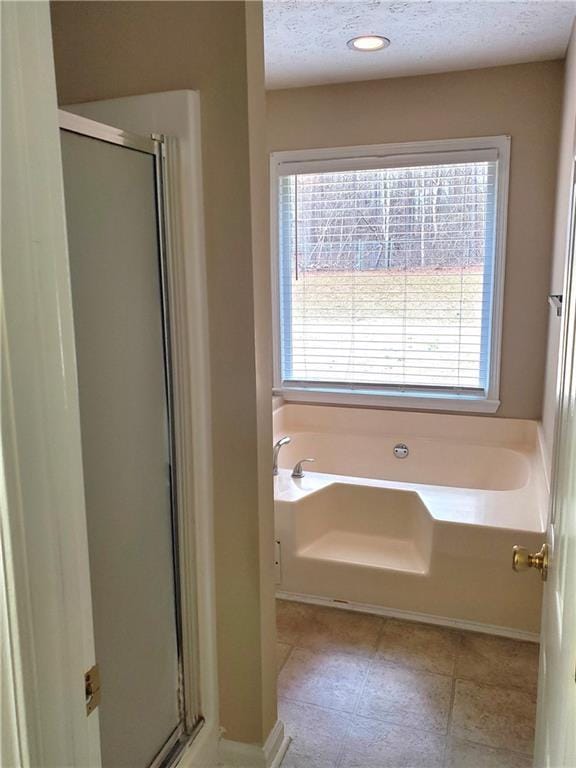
x=523 y=101
x=259 y=191
x=565 y=163
x=111 y=49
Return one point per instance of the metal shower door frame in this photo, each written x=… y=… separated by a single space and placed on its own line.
x=188 y=692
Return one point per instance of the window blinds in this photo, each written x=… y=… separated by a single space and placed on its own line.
x=386 y=277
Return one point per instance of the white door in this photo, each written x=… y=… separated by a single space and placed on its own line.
x=556 y=722
x=45 y=606
x=46 y=624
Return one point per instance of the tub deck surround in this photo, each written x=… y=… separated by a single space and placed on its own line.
x=516 y=510
x=431 y=534
x=476 y=430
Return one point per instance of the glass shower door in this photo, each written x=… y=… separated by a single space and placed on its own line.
x=124 y=384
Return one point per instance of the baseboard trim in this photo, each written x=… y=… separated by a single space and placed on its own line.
x=425 y=618
x=276 y=745
x=236 y=754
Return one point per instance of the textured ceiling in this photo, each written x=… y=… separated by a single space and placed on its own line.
x=306 y=39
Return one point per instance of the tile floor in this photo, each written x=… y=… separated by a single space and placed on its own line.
x=360 y=691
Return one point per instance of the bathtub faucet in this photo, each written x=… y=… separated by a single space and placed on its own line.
x=276 y=451
x=298 y=471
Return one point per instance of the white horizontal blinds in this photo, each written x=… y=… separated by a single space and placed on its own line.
x=386 y=276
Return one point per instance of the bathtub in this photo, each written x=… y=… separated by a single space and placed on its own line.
x=427 y=535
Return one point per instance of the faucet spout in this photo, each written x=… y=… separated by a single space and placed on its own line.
x=276 y=451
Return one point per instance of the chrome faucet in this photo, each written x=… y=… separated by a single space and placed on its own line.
x=298 y=471
x=276 y=451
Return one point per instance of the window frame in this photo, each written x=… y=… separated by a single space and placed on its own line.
x=285 y=163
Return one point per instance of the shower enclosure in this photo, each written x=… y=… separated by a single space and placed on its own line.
x=114 y=185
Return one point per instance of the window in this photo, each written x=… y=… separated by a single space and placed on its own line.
x=389 y=268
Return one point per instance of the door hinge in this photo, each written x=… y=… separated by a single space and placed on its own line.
x=556 y=300
x=92 y=688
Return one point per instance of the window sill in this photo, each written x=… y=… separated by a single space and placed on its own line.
x=456 y=403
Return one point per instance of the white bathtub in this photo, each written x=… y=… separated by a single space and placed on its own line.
x=428 y=536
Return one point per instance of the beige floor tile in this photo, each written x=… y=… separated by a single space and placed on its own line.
x=464 y=754
x=317 y=735
x=373 y=744
x=295 y=758
x=497 y=717
x=407 y=697
x=332 y=629
x=291 y=619
x=282 y=653
x=325 y=679
x=498 y=661
x=387 y=684
x=419 y=646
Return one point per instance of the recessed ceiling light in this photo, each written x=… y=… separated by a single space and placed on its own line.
x=368 y=43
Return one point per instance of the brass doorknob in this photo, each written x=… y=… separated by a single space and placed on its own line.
x=522 y=560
